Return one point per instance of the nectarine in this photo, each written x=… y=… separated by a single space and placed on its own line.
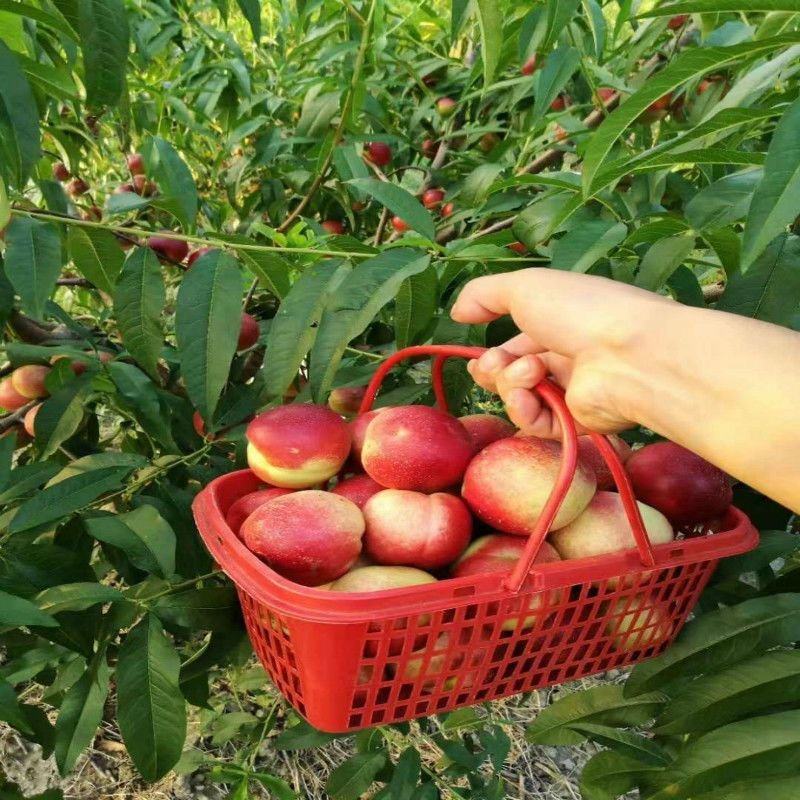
x=484 y=429
x=10 y=398
x=248 y=332
x=358 y=488
x=530 y=65
x=379 y=153
x=507 y=484
x=379 y=579
x=28 y=420
x=432 y=197
x=638 y=622
x=358 y=430
x=297 y=446
x=333 y=226
x=416 y=447
x=60 y=172
x=679 y=483
x=446 y=106
x=169 y=249
x=310 y=537
x=135 y=163
x=247 y=504
x=415 y=529
x=29 y=380
x=195 y=254
x=590 y=455
x=604 y=528
x=400 y=225
x=346 y=400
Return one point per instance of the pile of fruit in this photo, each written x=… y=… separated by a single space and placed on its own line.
x=407 y=495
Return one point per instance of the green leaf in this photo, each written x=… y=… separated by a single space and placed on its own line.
x=54 y=21
x=81 y=713
x=252 y=13
x=351 y=779
x=16 y=611
x=490 y=20
x=142 y=534
x=690 y=64
x=97 y=255
x=19 y=143
x=544 y=217
x=685 y=288
x=723 y=201
x=662 y=259
x=758 y=789
x=177 y=191
x=295 y=326
x=213 y=608
x=772 y=545
x=559 y=14
x=552 y=77
x=770 y=289
x=10 y=710
x=33 y=261
x=353 y=305
x=721 y=638
x=580 y=248
x=608 y=775
x=415 y=306
x=270 y=269
x=302 y=736
x=5 y=208
x=69 y=495
x=207 y=319
x=625 y=743
x=317 y=113
x=399 y=202
x=151 y=711
x=61 y=414
x=720 y=7
x=139 y=300
x=139 y=394
x=774 y=203
x=477 y=184
x=755 y=685
x=103 y=28
x=603 y=705
x=760 y=747
x=76 y=597
x=405 y=776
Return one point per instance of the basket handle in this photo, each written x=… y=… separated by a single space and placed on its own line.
x=553 y=395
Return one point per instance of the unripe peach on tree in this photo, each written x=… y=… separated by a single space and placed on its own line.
x=358 y=488
x=427 y=531
x=488 y=142
x=447 y=210
x=429 y=148
x=517 y=247
x=10 y=398
x=195 y=254
x=297 y=446
x=508 y=483
x=310 y=537
x=530 y=65
x=677 y=22
x=606 y=93
x=679 y=483
x=28 y=420
x=346 y=400
x=335 y=227
x=60 y=172
x=416 y=447
x=29 y=380
x=603 y=527
x=167 y=248
x=446 y=106
x=379 y=153
x=400 y=225
x=560 y=102
x=135 y=163
x=484 y=429
x=76 y=187
x=432 y=197
x=247 y=504
x=248 y=332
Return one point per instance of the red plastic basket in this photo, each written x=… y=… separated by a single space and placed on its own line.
x=348 y=661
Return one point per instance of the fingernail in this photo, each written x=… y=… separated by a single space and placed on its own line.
x=490 y=360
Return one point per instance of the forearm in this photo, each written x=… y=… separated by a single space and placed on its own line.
x=725 y=387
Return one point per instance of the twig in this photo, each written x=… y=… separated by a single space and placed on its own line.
x=9 y=420
x=339 y=132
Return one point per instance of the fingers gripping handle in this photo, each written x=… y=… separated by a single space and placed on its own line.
x=553 y=395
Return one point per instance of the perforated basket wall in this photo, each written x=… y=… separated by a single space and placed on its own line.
x=348 y=661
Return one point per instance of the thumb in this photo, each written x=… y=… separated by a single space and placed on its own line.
x=482 y=300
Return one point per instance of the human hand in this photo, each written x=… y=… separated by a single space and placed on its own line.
x=583 y=330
